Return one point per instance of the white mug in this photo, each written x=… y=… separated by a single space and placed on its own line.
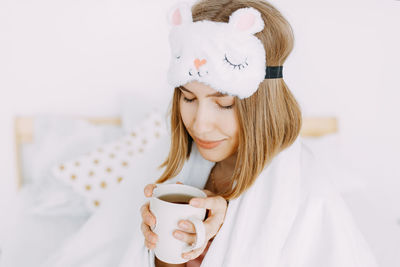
x=168 y=248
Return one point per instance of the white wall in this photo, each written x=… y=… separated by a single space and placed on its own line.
x=346 y=62
x=76 y=56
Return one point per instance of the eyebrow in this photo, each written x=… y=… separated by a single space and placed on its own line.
x=217 y=94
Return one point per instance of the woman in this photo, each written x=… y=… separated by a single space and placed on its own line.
x=249 y=137
x=234 y=133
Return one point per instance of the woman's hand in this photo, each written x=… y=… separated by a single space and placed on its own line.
x=148 y=219
x=217 y=207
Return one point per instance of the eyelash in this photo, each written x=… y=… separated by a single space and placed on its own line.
x=234 y=65
x=219 y=106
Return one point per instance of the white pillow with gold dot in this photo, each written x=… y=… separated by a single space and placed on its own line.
x=94 y=174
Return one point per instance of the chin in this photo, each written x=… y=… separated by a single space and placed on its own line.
x=214 y=155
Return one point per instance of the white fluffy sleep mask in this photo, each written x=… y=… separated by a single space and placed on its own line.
x=226 y=56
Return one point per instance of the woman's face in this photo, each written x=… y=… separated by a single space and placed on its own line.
x=210 y=119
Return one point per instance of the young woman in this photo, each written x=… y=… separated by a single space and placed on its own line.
x=269 y=205
x=234 y=134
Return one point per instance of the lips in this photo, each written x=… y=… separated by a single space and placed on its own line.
x=207 y=144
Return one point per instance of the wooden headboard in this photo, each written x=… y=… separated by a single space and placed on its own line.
x=312 y=127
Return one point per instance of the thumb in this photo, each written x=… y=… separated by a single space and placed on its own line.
x=209 y=193
x=217 y=204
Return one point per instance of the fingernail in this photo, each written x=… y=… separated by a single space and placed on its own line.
x=184 y=225
x=194 y=202
x=178 y=235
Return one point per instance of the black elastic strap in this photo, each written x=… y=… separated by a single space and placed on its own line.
x=273 y=72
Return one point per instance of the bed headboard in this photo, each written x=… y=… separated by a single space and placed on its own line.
x=312 y=127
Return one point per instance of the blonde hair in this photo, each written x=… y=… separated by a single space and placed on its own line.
x=269 y=120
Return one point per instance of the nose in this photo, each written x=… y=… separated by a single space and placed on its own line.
x=198 y=63
x=203 y=122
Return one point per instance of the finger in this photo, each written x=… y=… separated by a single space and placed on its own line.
x=187 y=226
x=185 y=237
x=148 y=189
x=149 y=235
x=147 y=215
x=215 y=203
x=149 y=245
x=217 y=206
x=213 y=223
x=144 y=207
x=193 y=254
x=209 y=193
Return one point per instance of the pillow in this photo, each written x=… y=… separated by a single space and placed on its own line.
x=58 y=138
x=95 y=174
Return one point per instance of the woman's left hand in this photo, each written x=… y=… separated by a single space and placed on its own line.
x=217 y=207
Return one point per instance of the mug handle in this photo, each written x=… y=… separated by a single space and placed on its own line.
x=200 y=234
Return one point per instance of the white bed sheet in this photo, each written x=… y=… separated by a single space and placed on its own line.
x=31 y=234
x=35 y=236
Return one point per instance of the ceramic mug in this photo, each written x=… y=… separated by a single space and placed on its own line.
x=170 y=204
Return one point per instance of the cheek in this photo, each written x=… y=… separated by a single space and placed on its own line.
x=186 y=113
x=232 y=129
x=230 y=125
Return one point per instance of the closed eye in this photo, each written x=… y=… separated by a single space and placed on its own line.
x=219 y=105
x=239 y=66
x=226 y=107
x=188 y=100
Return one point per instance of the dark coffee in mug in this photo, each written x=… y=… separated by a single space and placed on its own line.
x=176 y=198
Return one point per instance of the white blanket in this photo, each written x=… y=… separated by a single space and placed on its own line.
x=291 y=216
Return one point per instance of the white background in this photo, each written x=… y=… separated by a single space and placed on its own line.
x=76 y=57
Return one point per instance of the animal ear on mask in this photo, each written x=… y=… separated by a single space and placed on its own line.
x=180 y=13
x=247 y=20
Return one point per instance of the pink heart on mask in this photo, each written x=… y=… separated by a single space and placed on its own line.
x=199 y=63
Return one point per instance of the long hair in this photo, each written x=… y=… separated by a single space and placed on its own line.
x=269 y=120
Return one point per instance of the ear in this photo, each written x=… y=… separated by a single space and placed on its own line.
x=247 y=19
x=179 y=14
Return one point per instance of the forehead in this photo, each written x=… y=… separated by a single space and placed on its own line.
x=202 y=89
x=199 y=87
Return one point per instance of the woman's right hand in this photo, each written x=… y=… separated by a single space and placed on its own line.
x=148 y=219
